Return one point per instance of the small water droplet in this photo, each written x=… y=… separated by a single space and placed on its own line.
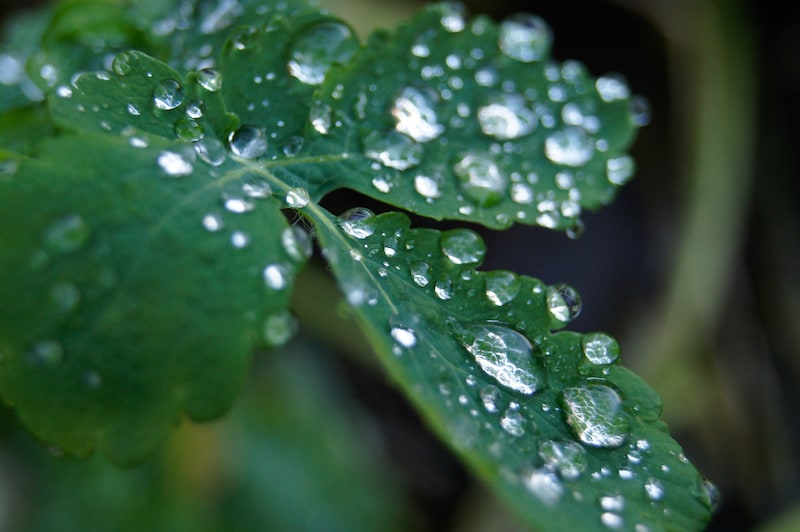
x=654 y=489
x=209 y=79
x=612 y=503
x=404 y=336
x=545 y=485
x=481 y=179
x=709 y=494
x=428 y=186
x=279 y=329
x=121 y=64
x=563 y=302
x=67 y=234
x=276 y=276
x=213 y=223
x=453 y=17
x=248 y=142
x=420 y=273
x=640 y=110
x=383 y=183
x=47 y=352
x=506 y=116
x=600 y=348
x=297 y=198
x=256 y=186
x=168 y=94
x=65 y=297
x=318 y=47
x=320 y=117
x=620 y=170
x=504 y=354
x=293 y=145
x=463 y=246
x=414 y=111
x=211 y=151
x=195 y=109
x=393 y=149
x=174 y=164
x=611 y=520
x=444 y=288
x=570 y=146
x=513 y=422
x=240 y=239
x=612 y=88
x=566 y=458
x=526 y=38
x=491 y=397
x=62 y=91
x=594 y=411
x=501 y=286
x=189 y=130
x=297 y=243
x=357 y=222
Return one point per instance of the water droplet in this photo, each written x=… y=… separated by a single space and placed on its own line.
x=563 y=302
x=513 y=422
x=620 y=170
x=296 y=243
x=320 y=117
x=211 y=151
x=420 y=273
x=209 y=79
x=195 y=109
x=506 y=116
x=612 y=88
x=248 y=142
x=545 y=485
x=566 y=458
x=357 y=222
x=67 y=234
x=521 y=193
x=481 y=179
x=276 y=276
x=92 y=379
x=709 y=494
x=65 y=297
x=654 y=489
x=240 y=239
x=594 y=411
x=501 y=286
x=453 y=17
x=393 y=149
x=297 y=198
x=504 y=354
x=491 y=397
x=414 y=111
x=121 y=64
x=404 y=336
x=237 y=204
x=611 y=520
x=256 y=186
x=62 y=91
x=612 y=503
x=316 y=48
x=463 y=246
x=189 y=130
x=600 y=348
x=48 y=352
x=525 y=38
x=429 y=187
x=213 y=222
x=570 y=146
x=640 y=110
x=443 y=288
x=174 y=164
x=168 y=94
x=292 y=146
x=383 y=183
x=279 y=329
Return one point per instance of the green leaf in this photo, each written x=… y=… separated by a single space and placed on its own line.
x=142 y=279
x=569 y=438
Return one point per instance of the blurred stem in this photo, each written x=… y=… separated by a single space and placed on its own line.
x=711 y=55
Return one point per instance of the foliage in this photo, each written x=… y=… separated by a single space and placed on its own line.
x=152 y=152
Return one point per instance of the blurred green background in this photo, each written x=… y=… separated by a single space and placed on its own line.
x=695 y=268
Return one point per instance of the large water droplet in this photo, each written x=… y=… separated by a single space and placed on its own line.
x=525 y=38
x=566 y=458
x=414 y=111
x=67 y=234
x=481 y=179
x=248 y=142
x=420 y=273
x=570 y=146
x=501 y=286
x=463 y=246
x=297 y=243
x=393 y=149
x=209 y=79
x=594 y=411
x=563 y=302
x=600 y=348
x=168 y=94
x=620 y=170
x=316 y=48
x=506 y=116
x=357 y=222
x=505 y=355
x=174 y=164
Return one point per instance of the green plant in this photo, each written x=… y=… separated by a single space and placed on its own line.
x=153 y=152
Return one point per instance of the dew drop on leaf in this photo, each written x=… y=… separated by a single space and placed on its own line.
x=297 y=243
x=357 y=222
x=505 y=355
x=67 y=234
x=293 y=145
x=47 y=352
x=393 y=149
x=612 y=503
x=545 y=485
x=612 y=88
x=513 y=422
x=481 y=178
x=189 y=130
x=240 y=239
x=276 y=277
x=443 y=288
x=209 y=79
x=415 y=113
x=611 y=520
x=620 y=169
x=65 y=297
x=524 y=37
x=318 y=47
x=248 y=142
x=600 y=348
x=429 y=187
x=566 y=458
x=297 y=198
x=420 y=273
x=563 y=302
x=211 y=151
x=121 y=64
x=320 y=117
x=256 y=186
x=168 y=95
x=570 y=147
x=709 y=494
x=491 y=397
x=279 y=329
x=404 y=336
x=501 y=286
x=463 y=246
x=654 y=489
x=640 y=111
x=174 y=164
x=212 y=223
x=594 y=411
x=506 y=116
x=195 y=109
